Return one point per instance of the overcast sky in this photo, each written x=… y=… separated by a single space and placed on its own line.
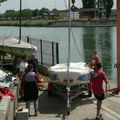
x=33 y=4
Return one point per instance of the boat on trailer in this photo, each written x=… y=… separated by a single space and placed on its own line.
x=78 y=79
x=69 y=79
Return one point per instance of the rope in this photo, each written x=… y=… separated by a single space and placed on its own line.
x=65 y=4
x=78 y=50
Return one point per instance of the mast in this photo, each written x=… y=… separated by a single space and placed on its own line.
x=20 y=19
x=68 y=60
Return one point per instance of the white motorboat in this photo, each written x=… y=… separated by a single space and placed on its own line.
x=78 y=73
x=78 y=79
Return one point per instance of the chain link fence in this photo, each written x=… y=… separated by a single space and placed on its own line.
x=47 y=52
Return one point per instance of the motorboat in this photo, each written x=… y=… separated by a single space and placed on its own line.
x=78 y=79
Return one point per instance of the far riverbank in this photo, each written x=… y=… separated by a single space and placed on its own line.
x=59 y=23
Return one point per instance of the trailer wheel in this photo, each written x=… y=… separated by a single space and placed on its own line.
x=89 y=93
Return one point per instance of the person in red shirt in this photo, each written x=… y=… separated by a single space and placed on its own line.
x=94 y=59
x=96 y=78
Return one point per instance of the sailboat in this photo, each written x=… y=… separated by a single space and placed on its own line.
x=15 y=46
x=69 y=79
x=12 y=46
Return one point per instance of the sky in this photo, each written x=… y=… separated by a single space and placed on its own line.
x=33 y=4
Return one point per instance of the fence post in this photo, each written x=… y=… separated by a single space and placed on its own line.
x=28 y=39
x=41 y=52
x=57 y=53
x=53 y=53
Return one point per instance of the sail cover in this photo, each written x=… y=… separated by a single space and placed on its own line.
x=11 y=45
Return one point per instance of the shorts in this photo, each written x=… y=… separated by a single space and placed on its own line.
x=99 y=97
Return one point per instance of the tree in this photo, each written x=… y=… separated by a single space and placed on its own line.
x=10 y=13
x=55 y=12
x=2 y=1
x=87 y=4
x=106 y=4
x=35 y=12
x=26 y=13
x=44 y=10
x=109 y=5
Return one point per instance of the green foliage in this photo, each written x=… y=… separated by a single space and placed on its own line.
x=9 y=13
x=73 y=1
x=35 y=12
x=27 y=13
x=89 y=4
x=109 y=5
x=44 y=10
x=2 y=1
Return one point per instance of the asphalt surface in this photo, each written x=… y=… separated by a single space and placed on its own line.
x=54 y=108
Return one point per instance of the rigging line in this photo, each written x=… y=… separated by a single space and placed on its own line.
x=76 y=45
x=65 y=4
x=74 y=36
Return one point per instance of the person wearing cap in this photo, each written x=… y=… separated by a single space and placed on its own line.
x=96 y=79
x=94 y=59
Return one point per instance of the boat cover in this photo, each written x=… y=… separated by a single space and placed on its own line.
x=11 y=45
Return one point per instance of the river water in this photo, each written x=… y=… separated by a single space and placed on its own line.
x=84 y=40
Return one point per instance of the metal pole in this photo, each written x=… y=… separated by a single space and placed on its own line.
x=118 y=44
x=69 y=41
x=20 y=19
x=41 y=52
x=57 y=53
x=53 y=53
x=68 y=61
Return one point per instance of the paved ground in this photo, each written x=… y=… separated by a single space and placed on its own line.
x=53 y=108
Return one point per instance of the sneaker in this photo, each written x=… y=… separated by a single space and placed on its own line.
x=97 y=118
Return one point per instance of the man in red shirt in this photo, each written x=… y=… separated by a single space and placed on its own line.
x=95 y=57
x=96 y=78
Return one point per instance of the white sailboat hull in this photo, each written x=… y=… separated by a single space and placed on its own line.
x=11 y=45
x=78 y=79
x=78 y=73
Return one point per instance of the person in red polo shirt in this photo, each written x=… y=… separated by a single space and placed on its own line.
x=95 y=57
x=96 y=78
